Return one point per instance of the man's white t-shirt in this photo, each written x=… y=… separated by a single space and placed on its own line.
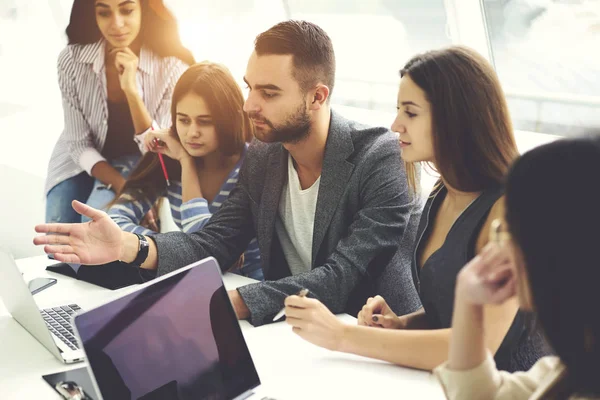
x=296 y=219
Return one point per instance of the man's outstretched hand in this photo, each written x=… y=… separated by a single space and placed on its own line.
x=98 y=241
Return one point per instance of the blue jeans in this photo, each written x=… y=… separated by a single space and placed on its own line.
x=257 y=274
x=85 y=189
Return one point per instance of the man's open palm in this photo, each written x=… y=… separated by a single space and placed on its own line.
x=96 y=242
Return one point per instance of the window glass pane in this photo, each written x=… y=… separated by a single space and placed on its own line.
x=373 y=40
x=544 y=52
x=223 y=31
x=31 y=36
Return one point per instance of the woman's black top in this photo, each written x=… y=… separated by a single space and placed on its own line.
x=119 y=137
x=436 y=280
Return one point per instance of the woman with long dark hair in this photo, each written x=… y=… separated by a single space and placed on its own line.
x=546 y=254
x=116 y=77
x=452 y=114
x=203 y=151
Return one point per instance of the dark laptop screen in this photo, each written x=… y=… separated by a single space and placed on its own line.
x=176 y=339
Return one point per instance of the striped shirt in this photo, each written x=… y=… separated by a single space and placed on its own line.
x=82 y=81
x=190 y=216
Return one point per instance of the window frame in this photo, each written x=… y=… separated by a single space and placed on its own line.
x=467 y=25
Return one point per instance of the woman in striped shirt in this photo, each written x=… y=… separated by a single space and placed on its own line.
x=203 y=151
x=116 y=77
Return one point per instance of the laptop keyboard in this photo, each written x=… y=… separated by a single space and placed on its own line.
x=58 y=320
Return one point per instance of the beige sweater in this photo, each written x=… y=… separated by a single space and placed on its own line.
x=485 y=382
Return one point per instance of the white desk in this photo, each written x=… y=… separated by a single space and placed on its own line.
x=289 y=367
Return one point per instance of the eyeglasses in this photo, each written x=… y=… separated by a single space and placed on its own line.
x=498 y=232
x=70 y=390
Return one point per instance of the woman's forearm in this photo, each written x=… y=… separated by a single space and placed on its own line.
x=108 y=175
x=467 y=344
x=422 y=349
x=139 y=113
x=190 y=184
x=427 y=348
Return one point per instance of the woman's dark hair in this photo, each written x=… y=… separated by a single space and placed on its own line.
x=473 y=140
x=159 y=31
x=215 y=84
x=553 y=215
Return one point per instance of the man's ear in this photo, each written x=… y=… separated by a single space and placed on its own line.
x=320 y=96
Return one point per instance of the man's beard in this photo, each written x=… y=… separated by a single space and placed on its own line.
x=293 y=130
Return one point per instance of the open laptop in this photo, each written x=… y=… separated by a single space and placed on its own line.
x=176 y=337
x=51 y=327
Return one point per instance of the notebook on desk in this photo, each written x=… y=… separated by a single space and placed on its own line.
x=113 y=275
x=176 y=337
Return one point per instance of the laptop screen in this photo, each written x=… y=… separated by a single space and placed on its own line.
x=178 y=338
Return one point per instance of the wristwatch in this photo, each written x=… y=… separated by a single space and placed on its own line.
x=143 y=249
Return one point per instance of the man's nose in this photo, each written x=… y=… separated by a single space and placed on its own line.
x=250 y=105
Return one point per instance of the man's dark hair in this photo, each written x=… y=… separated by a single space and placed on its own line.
x=310 y=46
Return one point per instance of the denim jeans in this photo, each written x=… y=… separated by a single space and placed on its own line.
x=255 y=273
x=85 y=189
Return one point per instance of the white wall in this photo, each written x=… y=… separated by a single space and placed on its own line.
x=22 y=207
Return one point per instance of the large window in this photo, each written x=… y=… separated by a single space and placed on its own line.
x=223 y=31
x=372 y=39
x=545 y=53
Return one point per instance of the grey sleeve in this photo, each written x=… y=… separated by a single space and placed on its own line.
x=225 y=236
x=372 y=238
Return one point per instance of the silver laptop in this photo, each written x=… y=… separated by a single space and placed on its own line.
x=51 y=327
x=176 y=337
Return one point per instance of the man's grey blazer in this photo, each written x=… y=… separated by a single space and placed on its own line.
x=363 y=209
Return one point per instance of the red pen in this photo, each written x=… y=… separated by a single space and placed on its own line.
x=162 y=162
